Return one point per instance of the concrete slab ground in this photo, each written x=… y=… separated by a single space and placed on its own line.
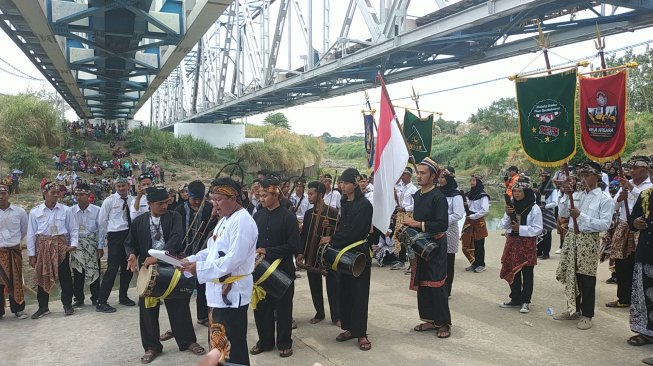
x=482 y=334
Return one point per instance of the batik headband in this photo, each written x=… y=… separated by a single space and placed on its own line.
x=522 y=183
x=271 y=189
x=224 y=190
x=477 y=176
x=4 y=188
x=640 y=161
x=589 y=169
x=49 y=185
x=82 y=191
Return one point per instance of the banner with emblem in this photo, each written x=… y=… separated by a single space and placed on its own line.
x=603 y=116
x=419 y=135
x=368 y=120
x=547 y=112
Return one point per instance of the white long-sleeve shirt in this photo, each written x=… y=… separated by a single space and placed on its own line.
x=235 y=236
x=596 y=211
x=303 y=206
x=142 y=208
x=456 y=208
x=406 y=197
x=13 y=226
x=633 y=195
x=479 y=207
x=87 y=219
x=533 y=225
x=112 y=216
x=552 y=200
x=333 y=199
x=59 y=220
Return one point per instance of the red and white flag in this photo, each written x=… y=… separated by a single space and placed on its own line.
x=389 y=162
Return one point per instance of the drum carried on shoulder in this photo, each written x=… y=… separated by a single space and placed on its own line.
x=155 y=280
x=278 y=281
x=422 y=243
x=351 y=263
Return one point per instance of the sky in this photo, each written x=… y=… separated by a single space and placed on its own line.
x=341 y=116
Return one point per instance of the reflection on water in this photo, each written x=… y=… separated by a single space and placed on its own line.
x=493 y=218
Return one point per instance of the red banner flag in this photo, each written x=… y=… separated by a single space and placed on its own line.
x=603 y=116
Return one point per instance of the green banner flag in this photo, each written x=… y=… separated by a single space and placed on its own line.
x=547 y=111
x=419 y=135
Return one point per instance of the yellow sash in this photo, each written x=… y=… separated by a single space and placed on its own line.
x=151 y=302
x=334 y=266
x=230 y=279
x=258 y=292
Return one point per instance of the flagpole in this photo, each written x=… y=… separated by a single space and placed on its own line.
x=544 y=42
x=600 y=46
x=369 y=107
x=384 y=90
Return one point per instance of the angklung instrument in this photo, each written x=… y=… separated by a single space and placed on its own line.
x=316 y=231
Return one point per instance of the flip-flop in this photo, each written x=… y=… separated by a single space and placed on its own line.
x=196 y=349
x=315 y=320
x=256 y=350
x=638 y=340
x=365 y=345
x=167 y=335
x=444 y=332
x=422 y=328
x=286 y=352
x=342 y=337
x=149 y=356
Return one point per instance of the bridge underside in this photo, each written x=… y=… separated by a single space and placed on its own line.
x=466 y=33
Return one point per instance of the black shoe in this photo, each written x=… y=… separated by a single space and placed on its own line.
x=127 y=302
x=78 y=303
x=68 y=310
x=41 y=312
x=94 y=302
x=611 y=280
x=105 y=308
x=546 y=256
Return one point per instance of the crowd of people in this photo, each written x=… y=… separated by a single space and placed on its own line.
x=95 y=131
x=223 y=232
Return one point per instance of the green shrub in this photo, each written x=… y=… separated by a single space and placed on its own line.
x=22 y=157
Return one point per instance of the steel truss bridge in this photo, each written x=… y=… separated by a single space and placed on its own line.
x=207 y=61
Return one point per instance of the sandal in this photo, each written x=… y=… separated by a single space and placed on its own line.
x=617 y=304
x=315 y=320
x=422 y=328
x=256 y=350
x=149 y=356
x=444 y=331
x=204 y=322
x=344 y=336
x=364 y=344
x=286 y=352
x=195 y=349
x=638 y=340
x=165 y=336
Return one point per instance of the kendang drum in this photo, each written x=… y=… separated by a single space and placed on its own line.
x=153 y=281
x=422 y=243
x=277 y=283
x=351 y=263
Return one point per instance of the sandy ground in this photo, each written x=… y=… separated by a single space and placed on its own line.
x=483 y=334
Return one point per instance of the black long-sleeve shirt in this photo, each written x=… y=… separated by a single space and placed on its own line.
x=355 y=224
x=644 y=250
x=278 y=233
x=432 y=209
x=139 y=240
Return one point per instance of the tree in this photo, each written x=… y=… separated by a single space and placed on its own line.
x=500 y=116
x=277 y=119
x=640 y=79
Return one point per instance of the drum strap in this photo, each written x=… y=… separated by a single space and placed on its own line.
x=258 y=292
x=151 y=302
x=334 y=266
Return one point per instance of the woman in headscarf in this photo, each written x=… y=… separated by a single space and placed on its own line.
x=475 y=229
x=449 y=187
x=548 y=201
x=523 y=224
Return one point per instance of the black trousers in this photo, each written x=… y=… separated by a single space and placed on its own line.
x=78 y=285
x=544 y=247
x=315 y=284
x=624 y=269
x=180 y=322
x=521 y=288
x=13 y=306
x=65 y=283
x=116 y=259
x=433 y=305
x=264 y=316
x=354 y=300
x=451 y=260
x=587 y=297
x=200 y=301
x=234 y=323
x=479 y=253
